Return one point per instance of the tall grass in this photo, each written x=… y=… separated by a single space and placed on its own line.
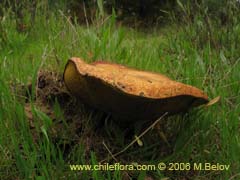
x=202 y=53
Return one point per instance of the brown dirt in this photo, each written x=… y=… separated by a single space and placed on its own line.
x=67 y=128
x=78 y=124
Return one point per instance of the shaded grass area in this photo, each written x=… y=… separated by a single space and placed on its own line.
x=186 y=53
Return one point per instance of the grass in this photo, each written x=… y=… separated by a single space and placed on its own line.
x=187 y=54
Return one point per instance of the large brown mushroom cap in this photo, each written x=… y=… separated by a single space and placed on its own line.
x=128 y=93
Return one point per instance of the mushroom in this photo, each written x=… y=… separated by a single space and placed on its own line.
x=127 y=93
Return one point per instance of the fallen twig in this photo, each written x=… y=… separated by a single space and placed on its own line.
x=109 y=151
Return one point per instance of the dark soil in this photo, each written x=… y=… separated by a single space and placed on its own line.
x=71 y=123
x=75 y=124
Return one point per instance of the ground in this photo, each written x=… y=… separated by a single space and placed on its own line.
x=44 y=129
